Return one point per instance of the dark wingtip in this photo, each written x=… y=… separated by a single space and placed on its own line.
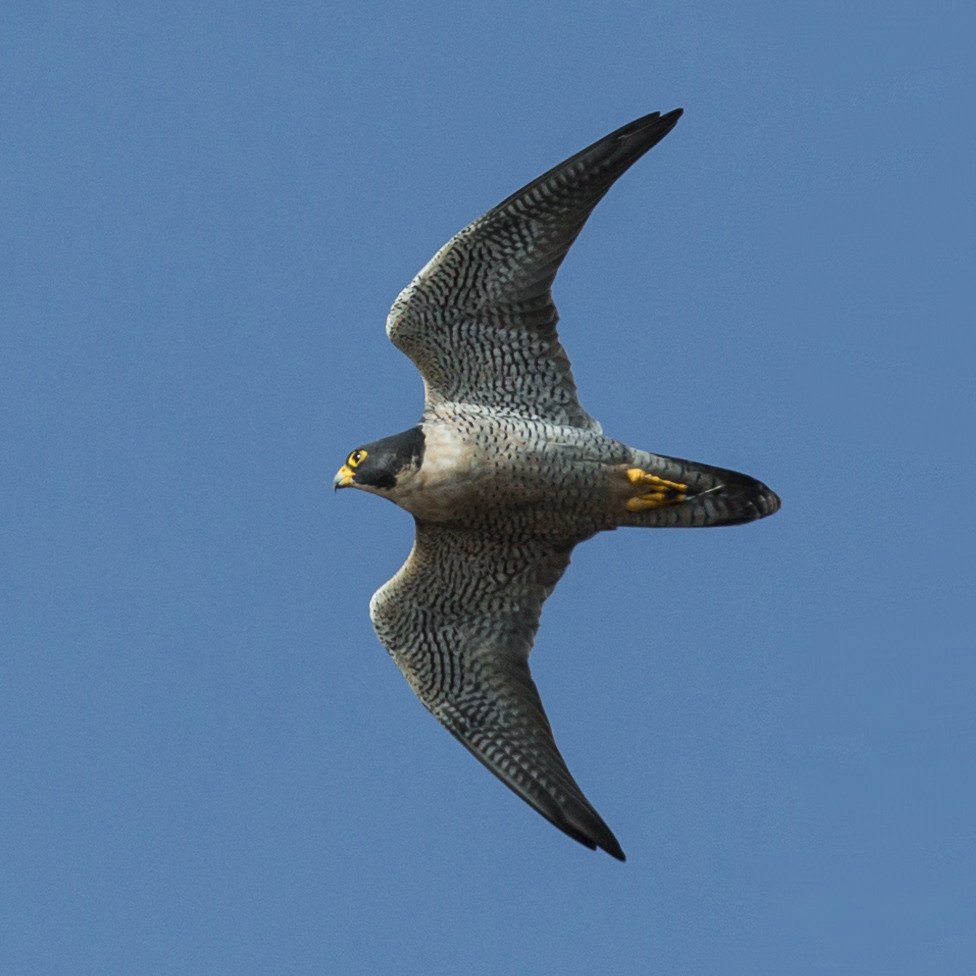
x=637 y=137
x=606 y=159
x=660 y=124
x=605 y=842
x=588 y=828
x=669 y=121
x=603 y=838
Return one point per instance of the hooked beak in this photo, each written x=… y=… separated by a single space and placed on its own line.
x=343 y=478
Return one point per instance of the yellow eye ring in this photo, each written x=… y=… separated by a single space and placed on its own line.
x=356 y=458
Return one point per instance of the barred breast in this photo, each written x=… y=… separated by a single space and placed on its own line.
x=479 y=464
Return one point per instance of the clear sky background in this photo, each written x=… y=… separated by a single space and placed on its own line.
x=210 y=765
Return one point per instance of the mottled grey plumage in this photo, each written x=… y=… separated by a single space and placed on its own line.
x=506 y=473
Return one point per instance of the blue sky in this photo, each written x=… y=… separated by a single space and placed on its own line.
x=210 y=764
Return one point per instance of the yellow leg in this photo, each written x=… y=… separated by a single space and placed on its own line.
x=655 y=492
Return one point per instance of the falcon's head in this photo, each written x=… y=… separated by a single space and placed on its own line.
x=378 y=466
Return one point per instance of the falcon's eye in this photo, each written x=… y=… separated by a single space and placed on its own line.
x=356 y=458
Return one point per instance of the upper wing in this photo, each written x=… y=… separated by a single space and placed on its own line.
x=478 y=321
x=459 y=619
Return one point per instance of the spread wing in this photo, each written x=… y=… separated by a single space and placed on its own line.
x=459 y=619
x=479 y=322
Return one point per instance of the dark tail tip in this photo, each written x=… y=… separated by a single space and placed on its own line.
x=740 y=500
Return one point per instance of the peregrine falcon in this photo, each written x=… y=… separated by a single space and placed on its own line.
x=506 y=473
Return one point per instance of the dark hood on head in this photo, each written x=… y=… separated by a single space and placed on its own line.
x=386 y=458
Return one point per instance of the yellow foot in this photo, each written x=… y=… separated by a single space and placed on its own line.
x=655 y=492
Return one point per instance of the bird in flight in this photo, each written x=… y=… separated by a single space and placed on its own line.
x=506 y=473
